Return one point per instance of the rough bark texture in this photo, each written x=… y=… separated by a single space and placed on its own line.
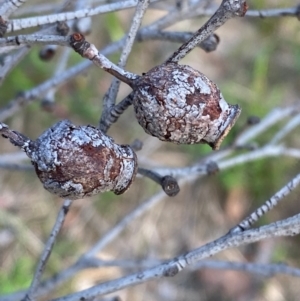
x=77 y=161
x=180 y=104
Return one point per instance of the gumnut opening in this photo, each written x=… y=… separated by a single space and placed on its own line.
x=179 y=104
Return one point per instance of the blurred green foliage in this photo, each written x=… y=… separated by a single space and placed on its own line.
x=18 y=276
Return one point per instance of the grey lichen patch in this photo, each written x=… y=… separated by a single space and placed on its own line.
x=77 y=161
x=180 y=104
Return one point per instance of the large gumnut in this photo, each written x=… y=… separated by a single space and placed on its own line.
x=179 y=104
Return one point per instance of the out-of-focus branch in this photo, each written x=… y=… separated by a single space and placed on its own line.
x=30 y=39
x=10 y=61
x=286 y=129
x=275 y=12
x=287 y=227
x=266 y=270
x=227 y=10
x=6 y=9
x=26 y=97
x=208 y=45
x=18 y=24
x=267 y=206
x=24 y=235
x=49 y=98
x=269 y=120
x=202 y=168
x=47 y=250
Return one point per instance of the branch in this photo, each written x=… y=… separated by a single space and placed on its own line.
x=285 y=130
x=267 y=206
x=208 y=45
x=28 y=96
x=227 y=10
x=9 y=6
x=266 y=270
x=202 y=168
x=269 y=120
x=47 y=250
x=18 y=24
x=32 y=39
x=90 y=52
x=287 y=227
x=49 y=98
x=115 y=112
x=168 y=183
x=275 y=12
x=109 y=99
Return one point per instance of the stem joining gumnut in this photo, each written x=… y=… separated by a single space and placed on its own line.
x=172 y=102
x=77 y=161
x=180 y=104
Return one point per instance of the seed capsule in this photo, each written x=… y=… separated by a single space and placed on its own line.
x=77 y=161
x=172 y=102
x=180 y=104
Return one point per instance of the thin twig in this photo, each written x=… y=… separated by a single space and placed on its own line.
x=109 y=99
x=47 y=250
x=275 y=12
x=120 y=226
x=18 y=24
x=266 y=270
x=90 y=52
x=285 y=130
x=30 y=95
x=15 y=166
x=227 y=10
x=208 y=45
x=269 y=120
x=10 y=6
x=202 y=168
x=267 y=206
x=30 y=39
x=168 y=183
x=10 y=61
x=115 y=112
x=287 y=227
x=49 y=98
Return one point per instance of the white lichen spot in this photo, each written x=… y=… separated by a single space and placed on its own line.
x=3 y=125
x=223 y=104
x=202 y=85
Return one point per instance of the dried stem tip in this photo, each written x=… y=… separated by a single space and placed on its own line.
x=168 y=183
x=180 y=104
x=77 y=161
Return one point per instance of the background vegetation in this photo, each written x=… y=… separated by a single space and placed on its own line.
x=256 y=65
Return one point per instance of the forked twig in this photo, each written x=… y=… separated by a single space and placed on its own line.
x=109 y=99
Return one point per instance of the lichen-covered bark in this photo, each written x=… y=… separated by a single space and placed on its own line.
x=77 y=161
x=180 y=104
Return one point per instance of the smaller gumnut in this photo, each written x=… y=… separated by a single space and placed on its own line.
x=77 y=161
